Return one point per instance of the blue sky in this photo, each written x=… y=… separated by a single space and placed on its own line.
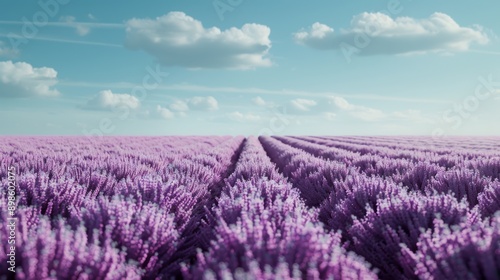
x=249 y=67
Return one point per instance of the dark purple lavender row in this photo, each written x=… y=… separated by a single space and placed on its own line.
x=367 y=150
x=319 y=150
x=312 y=176
x=450 y=147
x=466 y=251
x=372 y=159
x=426 y=143
x=444 y=145
x=261 y=229
x=123 y=227
x=368 y=164
x=379 y=219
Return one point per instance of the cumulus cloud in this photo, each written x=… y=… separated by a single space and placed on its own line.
x=177 y=39
x=357 y=111
x=200 y=103
x=340 y=103
x=164 y=113
x=240 y=117
x=259 y=101
x=371 y=114
x=378 y=33
x=332 y=106
x=302 y=105
x=81 y=29
x=179 y=106
x=20 y=79
x=368 y=114
x=107 y=100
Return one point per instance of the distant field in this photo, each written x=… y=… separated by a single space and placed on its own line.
x=250 y=208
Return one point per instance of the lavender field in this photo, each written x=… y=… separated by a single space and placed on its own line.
x=250 y=208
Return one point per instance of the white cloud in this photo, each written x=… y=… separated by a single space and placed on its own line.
x=368 y=114
x=377 y=33
x=259 y=101
x=302 y=105
x=20 y=79
x=107 y=100
x=340 y=102
x=200 y=103
x=371 y=114
x=80 y=28
x=177 y=39
x=7 y=52
x=179 y=106
x=357 y=111
x=164 y=113
x=317 y=31
x=240 y=117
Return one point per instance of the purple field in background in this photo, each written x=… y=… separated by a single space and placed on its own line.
x=252 y=208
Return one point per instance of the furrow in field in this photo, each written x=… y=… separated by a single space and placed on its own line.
x=220 y=163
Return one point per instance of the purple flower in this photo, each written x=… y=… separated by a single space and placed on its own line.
x=399 y=220
x=462 y=183
x=489 y=199
x=467 y=251
x=353 y=198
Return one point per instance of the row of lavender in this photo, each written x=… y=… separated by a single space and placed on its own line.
x=116 y=208
x=409 y=216
x=439 y=144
